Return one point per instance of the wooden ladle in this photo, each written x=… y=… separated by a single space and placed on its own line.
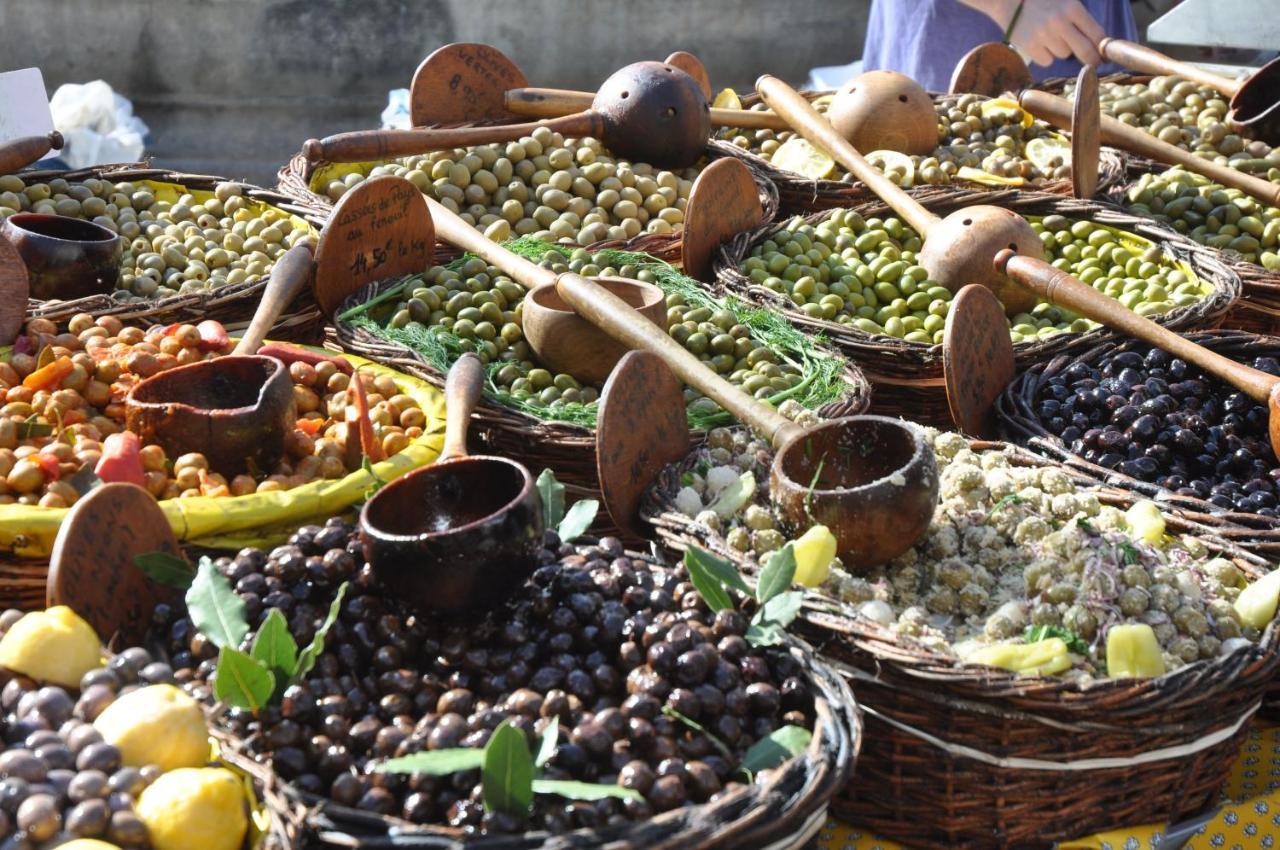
x=872 y=480
x=957 y=249
x=235 y=410
x=1255 y=100
x=462 y=533
x=648 y=112
x=1064 y=290
x=21 y=152
x=473 y=82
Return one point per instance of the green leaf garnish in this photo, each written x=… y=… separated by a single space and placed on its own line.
x=507 y=775
x=777 y=574
x=552 y=493
x=166 y=569
x=273 y=646
x=776 y=748
x=708 y=586
x=307 y=659
x=215 y=609
x=241 y=681
x=584 y=790
x=578 y=519
x=434 y=763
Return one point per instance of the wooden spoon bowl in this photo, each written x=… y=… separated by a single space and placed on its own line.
x=66 y=258
x=1255 y=108
x=654 y=112
x=885 y=110
x=872 y=480
x=959 y=249
x=235 y=410
x=455 y=536
x=566 y=342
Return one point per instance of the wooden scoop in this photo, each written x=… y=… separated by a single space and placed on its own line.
x=1058 y=111
x=462 y=533
x=870 y=479
x=469 y=82
x=21 y=152
x=235 y=410
x=1255 y=100
x=977 y=359
x=957 y=249
x=1064 y=290
x=646 y=112
x=92 y=568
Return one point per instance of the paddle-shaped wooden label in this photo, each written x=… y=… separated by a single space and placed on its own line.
x=641 y=427
x=378 y=230
x=990 y=69
x=463 y=82
x=15 y=286
x=723 y=202
x=92 y=568
x=977 y=359
x=692 y=66
x=1086 y=134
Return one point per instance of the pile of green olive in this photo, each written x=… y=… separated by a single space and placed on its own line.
x=1210 y=214
x=1190 y=116
x=864 y=273
x=481 y=307
x=973 y=132
x=544 y=185
x=181 y=245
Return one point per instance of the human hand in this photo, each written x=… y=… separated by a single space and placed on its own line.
x=1049 y=29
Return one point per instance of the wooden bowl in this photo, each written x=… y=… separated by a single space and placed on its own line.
x=456 y=536
x=235 y=410
x=565 y=342
x=66 y=257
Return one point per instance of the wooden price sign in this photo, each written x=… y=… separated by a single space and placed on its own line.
x=92 y=571
x=723 y=202
x=380 y=229
x=977 y=359
x=990 y=69
x=477 y=78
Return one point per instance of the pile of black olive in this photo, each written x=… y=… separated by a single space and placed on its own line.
x=604 y=645
x=58 y=779
x=1153 y=417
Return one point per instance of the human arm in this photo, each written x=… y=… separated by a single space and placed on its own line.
x=1046 y=29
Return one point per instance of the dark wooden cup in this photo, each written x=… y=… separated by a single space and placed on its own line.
x=66 y=257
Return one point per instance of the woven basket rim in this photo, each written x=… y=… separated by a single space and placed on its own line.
x=915 y=363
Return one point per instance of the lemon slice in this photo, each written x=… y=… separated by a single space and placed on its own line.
x=1048 y=152
x=894 y=161
x=727 y=99
x=1003 y=105
x=974 y=175
x=798 y=156
x=823 y=101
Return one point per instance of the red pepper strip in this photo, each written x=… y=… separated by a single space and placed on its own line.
x=121 y=459
x=49 y=377
x=295 y=354
x=368 y=441
x=213 y=336
x=48 y=464
x=310 y=427
x=170 y=330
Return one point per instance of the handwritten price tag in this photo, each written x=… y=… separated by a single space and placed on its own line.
x=24 y=105
x=380 y=229
x=462 y=82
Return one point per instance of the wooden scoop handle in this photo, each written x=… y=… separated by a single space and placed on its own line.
x=462 y=390
x=1139 y=58
x=21 y=152
x=288 y=277
x=452 y=229
x=551 y=103
x=808 y=122
x=1057 y=111
x=620 y=320
x=1064 y=290
x=369 y=145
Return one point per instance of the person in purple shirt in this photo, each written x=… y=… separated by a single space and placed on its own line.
x=924 y=39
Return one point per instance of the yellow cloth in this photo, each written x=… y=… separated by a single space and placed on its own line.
x=1248 y=820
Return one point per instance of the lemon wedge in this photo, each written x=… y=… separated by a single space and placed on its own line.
x=975 y=175
x=1048 y=152
x=727 y=99
x=1003 y=106
x=895 y=165
x=798 y=156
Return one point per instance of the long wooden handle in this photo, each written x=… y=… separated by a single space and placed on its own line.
x=808 y=122
x=1148 y=61
x=21 y=152
x=452 y=229
x=369 y=145
x=462 y=390
x=620 y=320
x=1062 y=289
x=289 y=275
x=551 y=103
x=1057 y=111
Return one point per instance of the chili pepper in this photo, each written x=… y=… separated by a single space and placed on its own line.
x=49 y=377
x=296 y=354
x=1042 y=658
x=121 y=459
x=213 y=336
x=310 y=426
x=49 y=465
x=368 y=441
x=1133 y=651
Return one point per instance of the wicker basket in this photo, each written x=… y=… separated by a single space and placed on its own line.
x=975 y=757
x=907 y=376
x=232 y=305
x=566 y=448
x=1016 y=410
x=294 y=181
x=798 y=194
